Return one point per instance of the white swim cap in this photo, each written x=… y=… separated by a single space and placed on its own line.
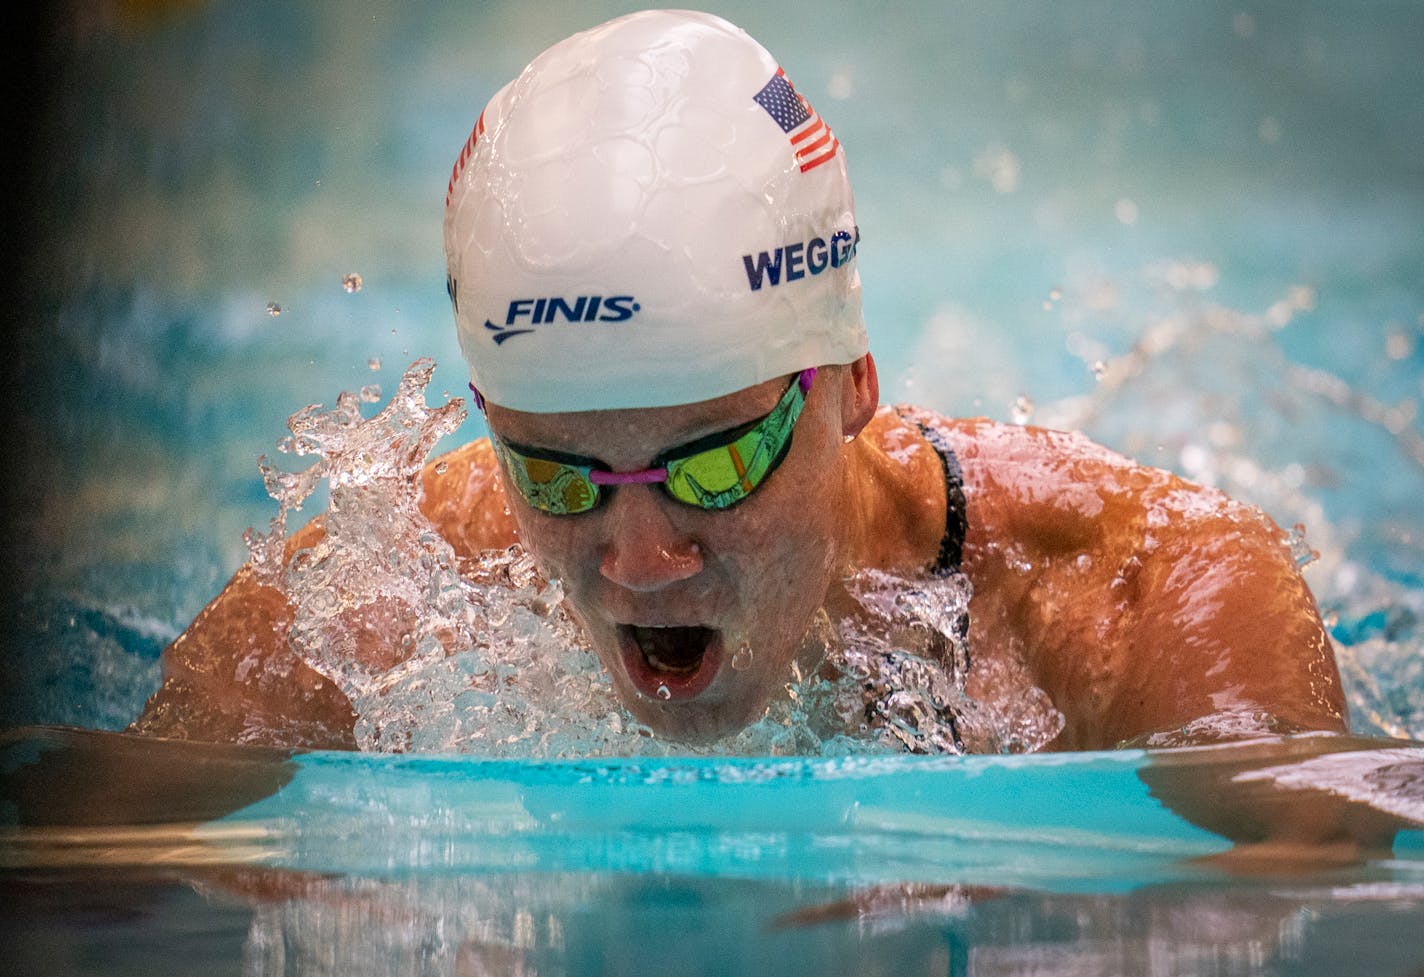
x=650 y=215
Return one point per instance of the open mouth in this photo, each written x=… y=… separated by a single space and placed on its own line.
x=676 y=662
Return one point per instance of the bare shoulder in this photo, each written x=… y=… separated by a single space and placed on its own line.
x=1057 y=490
x=1032 y=493
x=463 y=496
x=1052 y=493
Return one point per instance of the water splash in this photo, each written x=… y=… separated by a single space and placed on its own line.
x=1300 y=548
x=910 y=656
x=1021 y=411
x=434 y=653
x=442 y=654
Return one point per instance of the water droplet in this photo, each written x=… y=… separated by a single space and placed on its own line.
x=373 y=364
x=442 y=467
x=371 y=393
x=351 y=281
x=273 y=309
x=742 y=660
x=1300 y=550
x=664 y=692
x=1022 y=409
x=1000 y=167
x=1398 y=345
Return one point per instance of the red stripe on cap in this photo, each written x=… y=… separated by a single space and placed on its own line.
x=464 y=157
x=809 y=131
x=829 y=154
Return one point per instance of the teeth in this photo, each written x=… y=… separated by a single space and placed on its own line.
x=663 y=666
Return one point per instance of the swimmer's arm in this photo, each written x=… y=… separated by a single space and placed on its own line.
x=1232 y=648
x=232 y=675
x=1222 y=640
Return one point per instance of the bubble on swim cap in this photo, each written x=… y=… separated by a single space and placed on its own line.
x=650 y=214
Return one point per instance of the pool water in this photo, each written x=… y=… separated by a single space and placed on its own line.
x=1192 y=231
x=356 y=863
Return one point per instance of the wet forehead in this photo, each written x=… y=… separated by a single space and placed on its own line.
x=632 y=436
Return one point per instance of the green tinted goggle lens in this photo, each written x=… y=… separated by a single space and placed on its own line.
x=715 y=472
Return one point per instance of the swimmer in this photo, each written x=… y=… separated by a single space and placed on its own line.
x=652 y=257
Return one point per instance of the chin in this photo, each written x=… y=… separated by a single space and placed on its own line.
x=698 y=723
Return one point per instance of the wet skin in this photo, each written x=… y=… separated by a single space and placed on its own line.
x=1149 y=609
x=753 y=575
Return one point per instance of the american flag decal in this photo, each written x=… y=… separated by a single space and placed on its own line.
x=465 y=154
x=812 y=140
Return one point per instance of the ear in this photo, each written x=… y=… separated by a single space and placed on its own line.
x=860 y=395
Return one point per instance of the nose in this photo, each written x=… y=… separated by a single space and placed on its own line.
x=645 y=550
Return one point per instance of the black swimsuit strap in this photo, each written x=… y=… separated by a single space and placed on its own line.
x=956 y=519
x=951 y=544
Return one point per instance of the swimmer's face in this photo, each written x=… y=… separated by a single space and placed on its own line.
x=671 y=595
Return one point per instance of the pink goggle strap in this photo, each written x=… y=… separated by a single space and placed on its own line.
x=644 y=477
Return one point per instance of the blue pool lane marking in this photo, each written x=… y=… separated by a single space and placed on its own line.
x=1062 y=822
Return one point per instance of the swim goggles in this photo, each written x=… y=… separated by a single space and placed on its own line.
x=713 y=472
